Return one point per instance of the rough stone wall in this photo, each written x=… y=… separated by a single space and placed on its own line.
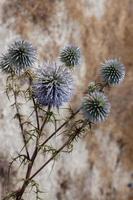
x=101 y=165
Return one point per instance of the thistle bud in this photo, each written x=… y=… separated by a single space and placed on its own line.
x=112 y=72
x=70 y=56
x=96 y=107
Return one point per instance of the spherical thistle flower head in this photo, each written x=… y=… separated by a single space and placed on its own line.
x=53 y=85
x=96 y=107
x=112 y=72
x=70 y=56
x=19 y=57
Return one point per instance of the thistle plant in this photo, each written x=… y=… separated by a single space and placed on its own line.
x=48 y=89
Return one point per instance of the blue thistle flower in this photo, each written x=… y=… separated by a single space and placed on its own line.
x=112 y=72
x=96 y=107
x=20 y=56
x=70 y=56
x=53 y=85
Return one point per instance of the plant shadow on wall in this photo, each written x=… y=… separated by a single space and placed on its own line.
x=48 y=87
x=6 y=183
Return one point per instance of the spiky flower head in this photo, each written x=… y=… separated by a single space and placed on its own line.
x=20 y=56
x=53 y=85
x=112 y=72
x=70 y=56
x=96 y=107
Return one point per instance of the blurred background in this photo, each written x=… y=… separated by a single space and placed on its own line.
x=101 y=165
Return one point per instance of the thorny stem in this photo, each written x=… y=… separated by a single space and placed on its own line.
x=50 y=159
x=36 y=113
x=36 y=149
x=45 y=120
x=65 y=123
x=20 y=124
x=60 y=149
x=30 y=165
x=40 y=132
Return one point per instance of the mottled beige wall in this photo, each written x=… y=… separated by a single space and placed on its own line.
x=101 y=165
